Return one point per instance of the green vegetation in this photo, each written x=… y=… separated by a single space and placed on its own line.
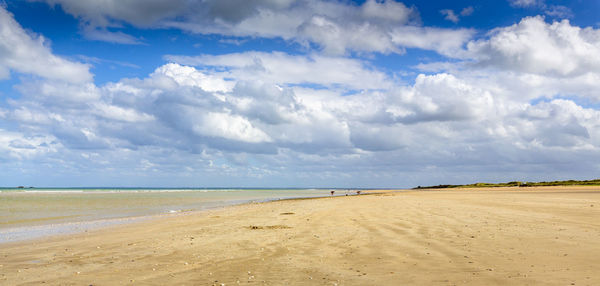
x=518 y=184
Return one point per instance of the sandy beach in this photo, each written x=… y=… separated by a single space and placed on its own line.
x=503 y=236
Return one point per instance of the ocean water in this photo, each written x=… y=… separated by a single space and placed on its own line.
x=32 y=213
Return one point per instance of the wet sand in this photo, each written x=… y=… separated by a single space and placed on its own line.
x=507 y=236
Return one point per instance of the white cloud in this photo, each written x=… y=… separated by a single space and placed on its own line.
x=525 y=3
x=442 y=97
x=281 y=68
x=189 y=76
x=516 y=104
x=446 y=42
x=450 y=15
x=453 y=17
x=560 y=124
x=104 y=35
x=387 y=11
x=18 y=146
x=49 y=92
x=337 y=27
x=467 y=11
x=229 y=126
x=558 y=11
x=177 y=113
x=119 y=113
x=138 y=12
x=26 y=53
x=336 y=37
x=438 y=66
x=535 y=46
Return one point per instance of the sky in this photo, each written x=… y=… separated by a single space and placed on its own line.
x=307 y=93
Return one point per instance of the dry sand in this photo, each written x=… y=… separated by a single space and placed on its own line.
x=509 y=236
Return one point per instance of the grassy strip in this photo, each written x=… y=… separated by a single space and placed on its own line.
x=518 y=184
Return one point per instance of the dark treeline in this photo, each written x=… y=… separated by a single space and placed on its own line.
x=595 y=182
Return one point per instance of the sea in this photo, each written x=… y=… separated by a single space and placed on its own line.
x=29 y=213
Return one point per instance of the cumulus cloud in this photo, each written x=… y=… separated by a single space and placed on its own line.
x=565 y=124
x=259 y=114
x=229 y=126
x=16 y=145
x=189 y=76
x=436 y=122
x=23 y=52
x=534 y=46
x=141 y=13
x=337 y=27
x=441 y=97
x=446 y=42
x=334 y=26
x=278 y=67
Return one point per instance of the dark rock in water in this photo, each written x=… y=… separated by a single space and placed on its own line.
x=20 y=187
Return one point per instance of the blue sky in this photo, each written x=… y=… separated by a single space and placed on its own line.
x=283 y=93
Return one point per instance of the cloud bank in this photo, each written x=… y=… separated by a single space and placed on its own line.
x=518 y=100
x=334 y=26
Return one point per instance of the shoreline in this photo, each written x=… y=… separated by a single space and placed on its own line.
x=66 y=229
x=466 y=237
x=31 y=233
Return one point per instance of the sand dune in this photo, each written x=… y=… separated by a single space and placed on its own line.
x=509 y=236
